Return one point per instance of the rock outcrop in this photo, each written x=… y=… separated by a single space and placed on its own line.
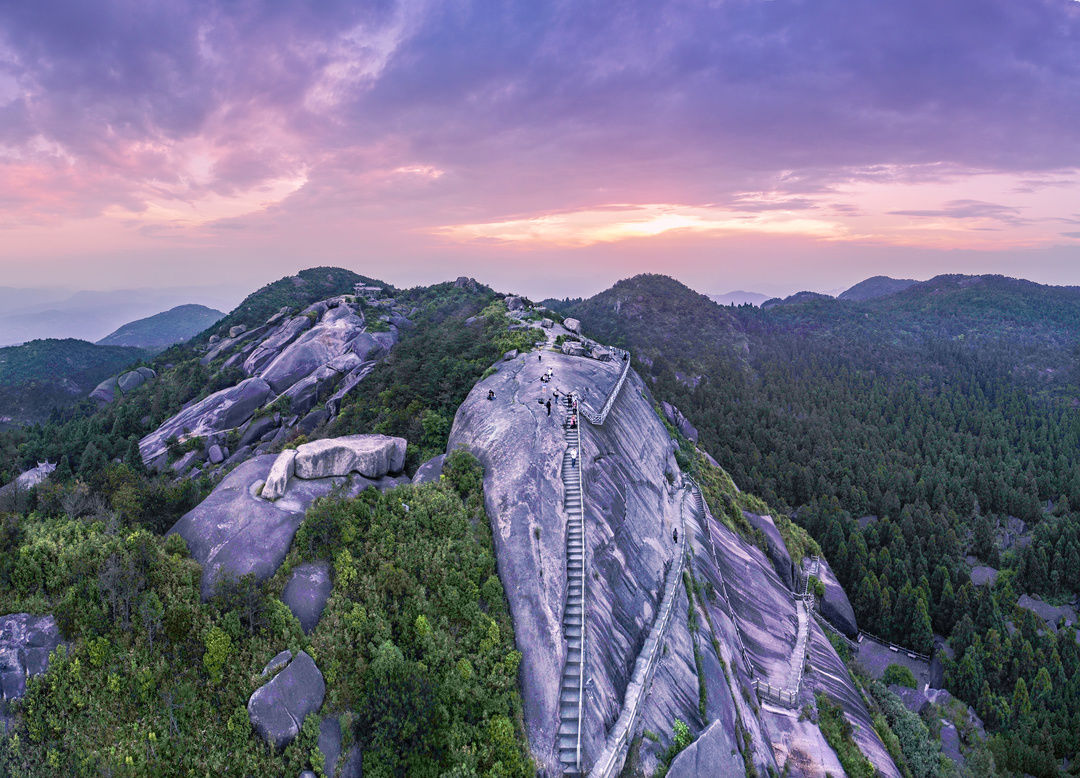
x=293 y=364
x=277 y=709
x=715 y=752
x=234 y=531
x=221 y=411
x=677 y=420
x=26 y=641
x=114 y=386
x=307 y=591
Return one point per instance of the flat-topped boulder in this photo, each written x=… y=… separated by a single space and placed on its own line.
x=277 y=709
x=372 y=456
x=26 y=641
x=307 y=591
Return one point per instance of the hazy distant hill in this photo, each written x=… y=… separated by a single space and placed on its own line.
x=739 y=297
x=45 y=374
x=164 y=329
x=875 y=287
x=35 y=314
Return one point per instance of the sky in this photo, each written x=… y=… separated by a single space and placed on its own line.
x=548 y=148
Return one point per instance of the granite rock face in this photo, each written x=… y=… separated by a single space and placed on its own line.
x=680 y=422
x=277 y=709
x=307 y=591
x=373 y=456
x=634 y=499
x=778 y=552
x=834 y=606
x=220 y=411
x=234 y=531
x=28 y=479
x=25 y=644
x=715 y=752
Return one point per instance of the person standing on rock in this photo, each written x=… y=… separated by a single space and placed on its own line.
x=491 y=394
x=549 y=406
x=675 y=535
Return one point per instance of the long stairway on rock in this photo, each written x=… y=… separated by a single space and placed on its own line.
x=572 y=689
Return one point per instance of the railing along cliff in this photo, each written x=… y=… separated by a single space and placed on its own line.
x=611 y=759
x=597 y=419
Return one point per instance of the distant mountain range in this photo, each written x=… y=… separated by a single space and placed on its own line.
x=162 y=330
x=34 y=314
x=739 y=297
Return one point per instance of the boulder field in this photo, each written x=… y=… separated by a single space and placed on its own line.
x=296 y=364
x=237 y=530
x=635 y=495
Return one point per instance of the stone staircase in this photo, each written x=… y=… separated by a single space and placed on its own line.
x=572 y=688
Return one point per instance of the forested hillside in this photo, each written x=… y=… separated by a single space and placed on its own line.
x=41 y=375
x=939 y=412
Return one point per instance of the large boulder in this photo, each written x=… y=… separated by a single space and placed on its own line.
x=834 y=606
x=278 y=708
x=25 y=644
x=714 y=753
x=372 y=456
x=307 y=591
x=220 y=411
x=775 y=547
x=429 y=471
x=572 y=324
x=106 y=390
x=235 y=532
x=130 y=381
x=257 y=428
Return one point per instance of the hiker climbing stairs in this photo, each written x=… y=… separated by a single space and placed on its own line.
x=571 y=691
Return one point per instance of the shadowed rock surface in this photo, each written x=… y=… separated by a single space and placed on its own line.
x=834 y=606
x=430 y=470
x=277 y=709
x=25 y=644
x=713 y=753
x=307 y=591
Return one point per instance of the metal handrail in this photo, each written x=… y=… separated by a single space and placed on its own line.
x=597 y=419
x=584 y=584
x=895 y=646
